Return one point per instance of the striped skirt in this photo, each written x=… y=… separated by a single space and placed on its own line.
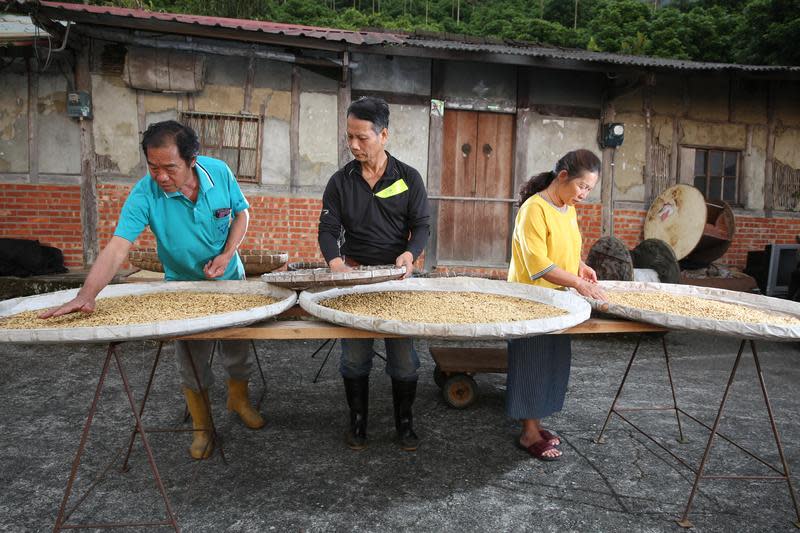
x=538 y=373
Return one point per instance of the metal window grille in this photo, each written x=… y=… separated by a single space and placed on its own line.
x=236 y=139
x=716 y=174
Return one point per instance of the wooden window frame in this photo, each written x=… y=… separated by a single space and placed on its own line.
x=191 y=118
x=707 y=176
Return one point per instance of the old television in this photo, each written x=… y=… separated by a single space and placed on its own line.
x=782 y=262
x=773 y=268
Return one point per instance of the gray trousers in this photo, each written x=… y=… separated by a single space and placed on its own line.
x=236 y=356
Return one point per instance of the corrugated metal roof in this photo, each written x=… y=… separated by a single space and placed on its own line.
x=15 y=28
x=275 y=28
x=116 y=16
x=525 y=49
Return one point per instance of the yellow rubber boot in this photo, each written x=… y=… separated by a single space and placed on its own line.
x=202 y=444
x=239 y=403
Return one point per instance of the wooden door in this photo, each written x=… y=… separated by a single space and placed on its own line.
x=476 y=189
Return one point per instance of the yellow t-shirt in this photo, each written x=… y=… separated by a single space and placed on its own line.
x=544 y=238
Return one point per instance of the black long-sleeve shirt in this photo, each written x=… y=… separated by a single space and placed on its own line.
x=374 y=226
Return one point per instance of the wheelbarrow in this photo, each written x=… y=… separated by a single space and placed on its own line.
x=455 y=368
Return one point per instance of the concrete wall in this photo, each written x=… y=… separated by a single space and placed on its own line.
x=549 y=138
x=479 y=86
x=58 y=137
x=116 y=126
x=14 y=123
x=398 y=75
x=408 y=135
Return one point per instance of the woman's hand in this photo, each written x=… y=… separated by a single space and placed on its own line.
x=586 y=272
x=590 y=290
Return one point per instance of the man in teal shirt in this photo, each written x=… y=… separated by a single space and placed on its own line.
x=195 y=209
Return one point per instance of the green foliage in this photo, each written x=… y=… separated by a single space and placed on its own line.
x=745 y=31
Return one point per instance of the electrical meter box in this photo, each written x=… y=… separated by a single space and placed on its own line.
x=79 y=105
x=613 y=134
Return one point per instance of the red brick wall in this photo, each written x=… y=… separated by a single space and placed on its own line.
x=51 y=214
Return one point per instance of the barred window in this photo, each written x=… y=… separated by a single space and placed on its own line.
x=236 y=139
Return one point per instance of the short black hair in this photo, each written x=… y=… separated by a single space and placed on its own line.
x=160 y=134
x=375 y=110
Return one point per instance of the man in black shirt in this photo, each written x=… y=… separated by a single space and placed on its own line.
x=375 y=212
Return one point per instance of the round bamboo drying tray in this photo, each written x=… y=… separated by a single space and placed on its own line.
x=256 y=262
x=145 y=259
x=323 y=277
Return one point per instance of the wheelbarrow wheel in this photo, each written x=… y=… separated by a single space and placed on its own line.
x=460 y=391
x=439 y=377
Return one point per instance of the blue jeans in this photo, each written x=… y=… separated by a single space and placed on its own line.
x=402 y=361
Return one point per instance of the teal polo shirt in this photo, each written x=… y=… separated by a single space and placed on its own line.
x=188 y=234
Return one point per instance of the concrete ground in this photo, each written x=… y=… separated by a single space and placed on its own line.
x=297 y=475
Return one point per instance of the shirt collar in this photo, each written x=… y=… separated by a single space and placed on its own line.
x=203 y=178
x=390 y=172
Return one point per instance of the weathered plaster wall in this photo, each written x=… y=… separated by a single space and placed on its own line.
x=115 y=125
x=563 y=87
x=787 y=103
x=666 y=96
x=275 y=150
x=399 y=75
x=550 y=138
x=751 y=188
x=408 y=135
x=630 y=159
x=319 y=131
x=708 y=98
x=58 y=136
x=749 y=102
x=728 y=135
x=224 y=89
x=479 y=86
x=787 y=146
x=158 y=107
x=662 y=130
x=14 y=123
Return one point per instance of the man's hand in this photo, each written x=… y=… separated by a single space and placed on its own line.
x=586 y=272
x=337 y=264
x=217 y=266
x=78 y=304
x=406 y=259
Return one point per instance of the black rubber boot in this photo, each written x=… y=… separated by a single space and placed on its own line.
x=403 y=393
x=357 y=391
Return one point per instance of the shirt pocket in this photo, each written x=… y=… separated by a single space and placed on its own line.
x=218 y=225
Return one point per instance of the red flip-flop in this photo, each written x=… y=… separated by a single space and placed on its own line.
x=546 y=435
x=538 y=449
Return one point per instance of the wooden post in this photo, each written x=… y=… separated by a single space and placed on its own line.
x=435 y=147
x=769 y=199
x=343 y=101
x=607 y=179
x=89 y=211
x=647 y=108
x=248 y=84
x=33 y=115
x=294 y=131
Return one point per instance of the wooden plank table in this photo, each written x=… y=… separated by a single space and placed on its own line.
x=290 y=325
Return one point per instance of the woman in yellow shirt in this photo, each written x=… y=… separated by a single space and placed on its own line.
x=546 y=251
